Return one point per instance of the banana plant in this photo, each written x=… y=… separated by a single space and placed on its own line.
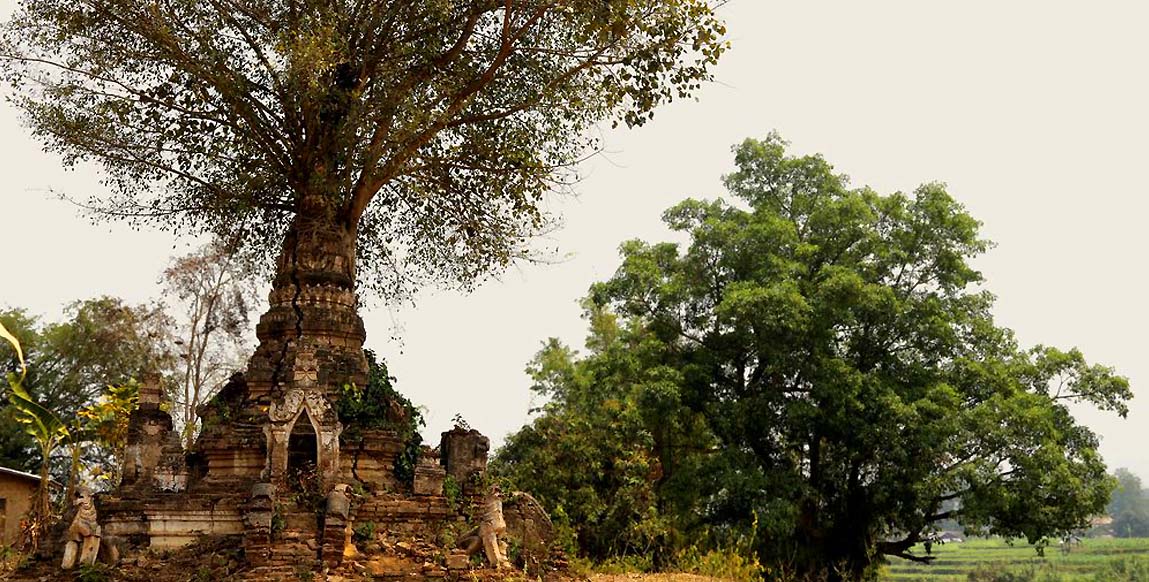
x=43 y=425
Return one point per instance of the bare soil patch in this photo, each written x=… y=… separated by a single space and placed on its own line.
x=653 y=578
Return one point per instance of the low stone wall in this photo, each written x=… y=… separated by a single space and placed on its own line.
x=165 y=521
x=403 y=515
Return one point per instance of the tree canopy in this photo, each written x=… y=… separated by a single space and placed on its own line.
x=428 y=130
x=841 y=349
x=614 y=453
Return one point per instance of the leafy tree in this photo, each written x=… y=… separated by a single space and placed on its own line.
x=1129 y=506
x=105 y=424
x=420 y=135
x=211 y=290
x=842 y=350
x=76 y=368
x=101 y=342
x=613 y=451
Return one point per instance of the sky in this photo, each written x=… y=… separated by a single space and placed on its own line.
x=1032 y=112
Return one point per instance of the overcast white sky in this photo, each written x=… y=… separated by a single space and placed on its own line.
x=1034 y=113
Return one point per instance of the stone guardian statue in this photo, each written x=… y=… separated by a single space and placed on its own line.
x=83 y=534
x=491 y=526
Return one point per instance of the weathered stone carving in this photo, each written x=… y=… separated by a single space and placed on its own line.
x=464 y=454
x=337 y=532
x=259 y=509
x=153 y=455
x=295 y=400
x=303 y=405
x=83 y=534
x=487 y=534
x=338 y=502
x=429 y=474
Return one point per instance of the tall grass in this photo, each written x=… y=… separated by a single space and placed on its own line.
x=1094 y=560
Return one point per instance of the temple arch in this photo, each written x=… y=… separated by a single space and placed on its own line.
x=303 y=450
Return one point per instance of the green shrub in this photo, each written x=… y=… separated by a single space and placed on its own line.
x=93 y=573
x=379 y=405
x=727 y=564
x=999 y=572
x=453 y=492
x=364 y=532
x=626 y=565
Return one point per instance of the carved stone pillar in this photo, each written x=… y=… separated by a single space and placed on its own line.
x=464 y=454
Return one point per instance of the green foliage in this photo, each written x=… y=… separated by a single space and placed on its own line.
x=106 y=421
x=80 y=366
x=305 y=488
x=615 y=449
x=453 y=491
x=1092 y=560
x=79 y=388
x=1125 y=569
x=364 y=531
x=998 y=572
x=822 y=361
x=1128 y=506
x=427 y=130
x=278 y=521
x=724 y=564
x=94 y=573
x=379 y=406
x=40 y=423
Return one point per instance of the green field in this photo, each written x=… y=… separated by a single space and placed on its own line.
x=1092 y=559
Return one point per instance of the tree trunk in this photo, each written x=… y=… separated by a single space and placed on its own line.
x=312 y=330
x=73 y=477
x=40 y=519
x=310 y=340
x=310 y=347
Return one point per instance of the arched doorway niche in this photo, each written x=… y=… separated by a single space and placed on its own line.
x=303 y=431
x=303 y=452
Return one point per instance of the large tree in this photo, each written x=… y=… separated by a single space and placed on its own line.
x=213 y=296
x=613 y=453
x=368 y=144
x=842 y=348
x=419 y=136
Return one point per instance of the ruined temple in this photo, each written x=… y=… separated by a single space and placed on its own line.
x=275 y=472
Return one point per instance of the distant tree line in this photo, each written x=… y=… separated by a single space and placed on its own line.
x=1128 y=506
x=815 y=378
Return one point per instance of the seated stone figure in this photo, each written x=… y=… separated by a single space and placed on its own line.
x=83 y=534
x=486 y=535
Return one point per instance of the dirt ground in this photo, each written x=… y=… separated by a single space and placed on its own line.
x=652 y=578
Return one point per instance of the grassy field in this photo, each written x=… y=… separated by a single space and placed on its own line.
x=955 y=561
